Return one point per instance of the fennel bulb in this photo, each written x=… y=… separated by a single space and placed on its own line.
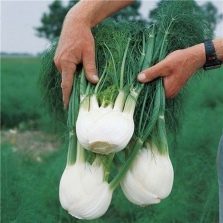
x=149 y=179
x=106 y=129
x=83 y=192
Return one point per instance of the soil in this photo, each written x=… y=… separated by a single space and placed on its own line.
x=33 y=143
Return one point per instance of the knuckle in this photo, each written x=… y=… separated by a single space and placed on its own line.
x=60 y=62
x=168 y=66
x=90 y=68
x=66 y=60
x=170 y=93
x=56 y=62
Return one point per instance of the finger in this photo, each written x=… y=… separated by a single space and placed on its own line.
x=153 y=72
x=171 y=86
x=89 y=65
x=67 y=82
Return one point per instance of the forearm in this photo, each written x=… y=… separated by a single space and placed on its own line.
x=197 y=53
x=218 y=44
x=91 y=12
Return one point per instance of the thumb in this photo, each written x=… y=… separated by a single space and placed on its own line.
x=153 y=72
x=89 y=65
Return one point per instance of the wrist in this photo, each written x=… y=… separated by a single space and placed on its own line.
x=82 y=13
x=196 y=55
x=79 y=15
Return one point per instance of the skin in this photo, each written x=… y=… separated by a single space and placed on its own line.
x=179 y=66
x=76 y=43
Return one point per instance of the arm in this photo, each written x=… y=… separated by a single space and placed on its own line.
x=179 y=66
x=76 y=43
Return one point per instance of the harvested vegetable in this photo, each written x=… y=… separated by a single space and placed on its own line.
x=117 y=128
x=150 y=178
x=83 y=191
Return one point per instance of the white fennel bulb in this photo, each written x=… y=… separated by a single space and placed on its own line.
x=149 y=179
x=83 y=192
x=107 y=129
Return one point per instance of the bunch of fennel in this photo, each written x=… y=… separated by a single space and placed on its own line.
x=83 y=189
x=88 y=174
x=120 y=117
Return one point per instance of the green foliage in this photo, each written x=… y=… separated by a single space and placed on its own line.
x=187 y=18
x=107 y=96
x=49 y=83
x=208 y=11
x=52 y=21
x=130 y=13
x=21 y=99
x=30 y=188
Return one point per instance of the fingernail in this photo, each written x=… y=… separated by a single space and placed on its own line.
x=142 y=77
x=95 y=78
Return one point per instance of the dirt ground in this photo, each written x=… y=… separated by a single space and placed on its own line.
x=33 y=143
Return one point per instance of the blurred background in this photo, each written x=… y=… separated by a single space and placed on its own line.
x=33 y=148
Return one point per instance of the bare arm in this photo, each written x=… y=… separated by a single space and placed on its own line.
x=179 y=66
x=76 y=43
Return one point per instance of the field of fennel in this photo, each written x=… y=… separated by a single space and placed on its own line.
x=117 y=128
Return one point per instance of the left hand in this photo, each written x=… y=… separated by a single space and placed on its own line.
x=176 y=69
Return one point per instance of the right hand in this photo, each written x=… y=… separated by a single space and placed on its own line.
x=176 y=69
x=76 y=45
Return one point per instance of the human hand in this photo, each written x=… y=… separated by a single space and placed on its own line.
x=176 y=69
x=76 y=45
